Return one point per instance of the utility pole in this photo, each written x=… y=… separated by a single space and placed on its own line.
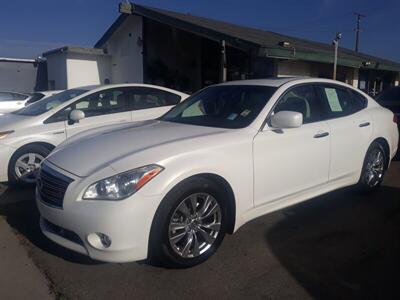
x=335 y=42
x=358 y=29
x=224 y=70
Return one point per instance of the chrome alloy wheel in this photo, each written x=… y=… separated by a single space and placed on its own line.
x=195 y=225
x=375 y=168
x=27 y=165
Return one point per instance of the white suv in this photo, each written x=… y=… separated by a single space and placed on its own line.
x=28 y=135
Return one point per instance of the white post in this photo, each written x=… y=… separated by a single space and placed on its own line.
x=224 y=70
x=355 y=77
x=336 y=43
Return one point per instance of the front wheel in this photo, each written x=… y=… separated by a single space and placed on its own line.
x=374 y=168
x=24 y=164
x=189 y=225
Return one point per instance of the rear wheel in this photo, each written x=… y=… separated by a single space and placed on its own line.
x=374 y=168
x=25 y=163
x=189 y=225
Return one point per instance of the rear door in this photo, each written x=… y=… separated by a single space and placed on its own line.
x=106 y=107
x=351 y=129
x=150 y=103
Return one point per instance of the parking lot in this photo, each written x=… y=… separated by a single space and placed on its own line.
x=344 y=245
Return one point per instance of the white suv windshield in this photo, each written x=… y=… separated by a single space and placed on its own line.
x=49 y=103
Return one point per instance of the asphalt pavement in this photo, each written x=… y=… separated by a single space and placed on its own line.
x=343 y=245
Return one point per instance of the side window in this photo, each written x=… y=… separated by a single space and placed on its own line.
x=101 y=103
x=301 y=99
x=19 y=96
x=340 y=101
x=6 y=96
x=142 y=98
x=360 y=101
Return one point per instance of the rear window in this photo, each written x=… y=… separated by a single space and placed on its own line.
x=341 y=101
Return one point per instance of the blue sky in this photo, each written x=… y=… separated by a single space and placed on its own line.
x=30 y=27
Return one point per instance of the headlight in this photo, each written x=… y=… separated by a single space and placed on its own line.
x=122 y=185
x=4 y=134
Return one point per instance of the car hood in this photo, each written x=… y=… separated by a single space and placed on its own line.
x=94 y=151
x=12 y=121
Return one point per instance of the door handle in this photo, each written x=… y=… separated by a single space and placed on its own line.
x=321 y=135
x=365 y=124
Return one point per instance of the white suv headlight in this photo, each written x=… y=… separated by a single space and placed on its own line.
x=122 y=185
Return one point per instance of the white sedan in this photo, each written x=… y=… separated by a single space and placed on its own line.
x=28 y=135
x=11 y=101
x=169 y=189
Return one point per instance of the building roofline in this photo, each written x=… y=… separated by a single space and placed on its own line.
x=299 y=49
x=71 y=49
x=18 y=60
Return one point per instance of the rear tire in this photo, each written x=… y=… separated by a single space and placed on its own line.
x=374 y=168
x=189 y=224
x=24 y=164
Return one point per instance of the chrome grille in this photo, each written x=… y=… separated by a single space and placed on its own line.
x=52 y=186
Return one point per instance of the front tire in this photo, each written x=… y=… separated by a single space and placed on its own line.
x=374 y=168
x=24 y=164
x=189 y=224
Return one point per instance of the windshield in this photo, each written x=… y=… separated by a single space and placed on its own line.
x=49 y=103
x=227 y=106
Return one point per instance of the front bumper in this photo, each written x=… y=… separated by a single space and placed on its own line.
x=127 y=223
x=5 y=155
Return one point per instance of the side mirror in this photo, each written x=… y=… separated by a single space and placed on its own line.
x=287 y=119
x=75 y=116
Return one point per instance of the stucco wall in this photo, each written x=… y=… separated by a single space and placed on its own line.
x=87 y=69
x=69 y=70
x=15 y=76
x=126 y=48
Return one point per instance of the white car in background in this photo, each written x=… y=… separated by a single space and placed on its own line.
x=36 y=96
x=169 y=189
x=28 y=135
x=12 y=101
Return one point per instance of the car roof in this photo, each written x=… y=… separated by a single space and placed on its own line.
x=279 y=81
x=14 y=92
x=275 y=81
x=100 y=87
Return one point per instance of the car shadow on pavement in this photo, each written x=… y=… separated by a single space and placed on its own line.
x=18 y=206
x=343 y=245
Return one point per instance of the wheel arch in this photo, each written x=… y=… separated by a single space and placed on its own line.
x=385 y=145
x=43 y=144
x=230 y=196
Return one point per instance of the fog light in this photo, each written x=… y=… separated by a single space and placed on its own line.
x=104 y=239
x=99 y=240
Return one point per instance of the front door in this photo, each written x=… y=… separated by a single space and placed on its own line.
x=101 y=108
x=289 y=161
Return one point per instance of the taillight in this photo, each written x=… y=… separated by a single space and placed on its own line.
x=396 y=119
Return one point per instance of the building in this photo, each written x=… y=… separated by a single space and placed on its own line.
x=70 y=67
x=22 y=75
x=187 y=52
